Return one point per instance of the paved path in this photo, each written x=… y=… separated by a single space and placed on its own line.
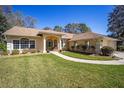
x=111 y=62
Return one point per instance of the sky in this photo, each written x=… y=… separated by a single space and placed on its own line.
x=50 y=15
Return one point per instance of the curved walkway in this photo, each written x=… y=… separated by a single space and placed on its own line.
x=112 y=62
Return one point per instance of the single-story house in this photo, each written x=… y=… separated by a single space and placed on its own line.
x=21 y=38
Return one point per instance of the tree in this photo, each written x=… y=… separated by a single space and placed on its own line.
x=47 y=28
x=116 y=22
x=3 y=27
x=18 y=19
x=0 y=8
x=71 y=28
x=76 y=28
x=58 y=28
x=29 y=22
x=15 y=19
x=6 y=9
x=84 y=28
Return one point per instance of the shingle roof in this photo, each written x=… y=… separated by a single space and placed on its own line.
x=88 y=35
x=50 y=32
x=68 y=35
x=22 y=31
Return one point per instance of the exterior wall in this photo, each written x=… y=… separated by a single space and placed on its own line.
x=98 y=43
x=111 y=43
x=38 y=42
x=65 y=44
x=94 y=42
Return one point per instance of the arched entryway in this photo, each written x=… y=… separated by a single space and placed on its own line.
x=51 y=43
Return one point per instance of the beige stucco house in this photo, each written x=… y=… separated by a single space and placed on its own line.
x=21 y=38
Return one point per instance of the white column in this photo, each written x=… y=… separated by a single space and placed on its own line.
x=44 y=44
x=60 y=44
x=88 y=44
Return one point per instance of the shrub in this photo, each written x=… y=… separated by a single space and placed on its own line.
x=84 y=47
x=72 y=47
x=25 y=51
x=121 y=48
x=4 y=52
x=15 y=52
x=78 y=46
x=3 y=47
x=107 y=51
x=33 y=50
x=60 y=50
x=92 y=47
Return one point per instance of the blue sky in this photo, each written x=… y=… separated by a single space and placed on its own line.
x=94 y=16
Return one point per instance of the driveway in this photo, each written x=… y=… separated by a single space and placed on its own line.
x=119 y=54
x=112 y=62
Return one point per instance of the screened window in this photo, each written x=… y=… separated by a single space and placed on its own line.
x=16 y=44
x=24 y=43
x=32 y=44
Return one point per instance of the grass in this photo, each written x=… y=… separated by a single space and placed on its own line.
x=88 y=57
x=51 y=71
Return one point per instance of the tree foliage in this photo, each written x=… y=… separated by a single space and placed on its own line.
x=47 y=28
x=3 y=27
x=17 y=18
x=116 y=22
x=70 y=28
x=30 y=22
x=76 y=28
x=58 y=28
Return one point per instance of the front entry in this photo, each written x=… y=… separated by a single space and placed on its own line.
x=51 y=44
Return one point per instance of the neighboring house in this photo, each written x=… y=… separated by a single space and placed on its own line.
x=42 y=40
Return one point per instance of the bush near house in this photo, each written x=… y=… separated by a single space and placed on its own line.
x=33 y=50
x=107 y=51
x=15 y=52
x=3 y=47
x=25 y=51
x=78 y=46
x=121 y=48
x=72 y=47
x=92 y=47
x=84 y=47
x=3 y=53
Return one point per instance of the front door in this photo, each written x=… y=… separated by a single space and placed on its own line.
x=49 y=44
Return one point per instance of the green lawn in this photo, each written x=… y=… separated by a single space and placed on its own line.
x=88 y=57
x=51 y=71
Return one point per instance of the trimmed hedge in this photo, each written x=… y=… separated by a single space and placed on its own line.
x=25 y=51
x=121 y=48
x=33 y=50
x=4 y=53
x=15 y=52
x=72 y=47
x=84 y=47
x=107 y=51
x=78 y=46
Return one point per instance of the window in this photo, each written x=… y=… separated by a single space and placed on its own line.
x=32 y=44
x=16 y=44
x=24 y=43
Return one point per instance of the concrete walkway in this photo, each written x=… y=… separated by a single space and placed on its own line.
x=112 y=62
